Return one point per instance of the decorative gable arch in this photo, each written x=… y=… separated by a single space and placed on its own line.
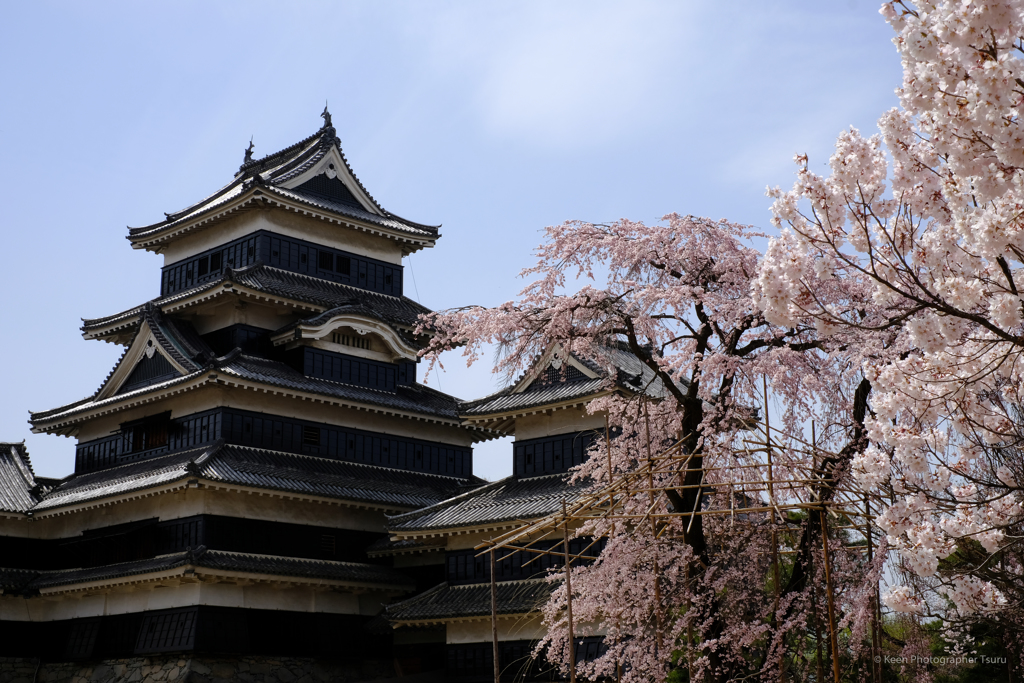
x=359 y=326
x=554 y=361
x=143 y=363
x=331 y=177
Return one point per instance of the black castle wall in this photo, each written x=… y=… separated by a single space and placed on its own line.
x=551 y=454
x=287 y=253
x=468 y=566
x=150 y=538
x=199 y=629
x=259 y=430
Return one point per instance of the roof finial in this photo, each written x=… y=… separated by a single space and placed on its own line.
x=248 y=152
x=326 y=116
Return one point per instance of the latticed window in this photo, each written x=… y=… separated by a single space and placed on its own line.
x=350 y=340
x=310 y=436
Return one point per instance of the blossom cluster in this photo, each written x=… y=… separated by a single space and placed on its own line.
x=915 y=240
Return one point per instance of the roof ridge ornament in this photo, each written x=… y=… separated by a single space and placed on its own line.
x=248 y=152
x=326 y=116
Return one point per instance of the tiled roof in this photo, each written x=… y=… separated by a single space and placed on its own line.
x=18 y=486
x=349 y=572
x=136 y=476
x=20 y=580
x=507 y=401
x=416 y=399
x=269 y=173
x=324 y=294
x=177 y=340
x=510 y=499
x=67 y=577
x=624 y=371
x=385 y=546
x=446 y=602
x=387 y=220
x=261 y=469
x=86 y=404
x=12 y=580
x=329 y=478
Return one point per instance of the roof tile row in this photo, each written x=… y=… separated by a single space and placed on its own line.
x=446 y=602
x=25 y=580
x=257 y=468
x=305 y=289
x=509 y=499
x=268 y=173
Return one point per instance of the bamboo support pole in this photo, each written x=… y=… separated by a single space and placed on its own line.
x=775 y=509
x=876 y=640
x=765 y=469
x=831 y=606
x=654 y=533
x=568 y=596
x=608 y=452
x=494 y=618
x=817 y=634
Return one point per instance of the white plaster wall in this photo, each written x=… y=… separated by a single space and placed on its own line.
x=288 y=223
x=411 y=636
x=471 y=540
x=522 y=628
x=168 y=505
x=19 y=527
x=255 y=506
x=433 y=557
x=192 y=501
x=557 y=422
x=127 y=599
x=236 y=310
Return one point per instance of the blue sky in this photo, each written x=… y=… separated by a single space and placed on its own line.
x=494 y=119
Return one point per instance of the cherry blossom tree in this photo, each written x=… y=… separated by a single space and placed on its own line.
x=916 y=240
x=678 y=297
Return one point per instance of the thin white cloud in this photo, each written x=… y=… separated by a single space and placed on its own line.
x=575 y=74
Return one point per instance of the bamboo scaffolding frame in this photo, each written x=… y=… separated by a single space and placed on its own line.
x=776 y=479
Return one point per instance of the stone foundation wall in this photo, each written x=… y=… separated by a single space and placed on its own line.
x=191 y=669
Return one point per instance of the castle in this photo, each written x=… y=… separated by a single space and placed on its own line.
x=261 y=477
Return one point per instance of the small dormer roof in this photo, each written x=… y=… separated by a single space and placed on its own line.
x=502 y=504
x=312 y=176
x=559 y=380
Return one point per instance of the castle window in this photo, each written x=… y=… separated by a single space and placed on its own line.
x=215 y=262
x=325 y=260
x=148 y=433
x=344 y=265
x=350 y=340
x=310 y=436
x=204 y=266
